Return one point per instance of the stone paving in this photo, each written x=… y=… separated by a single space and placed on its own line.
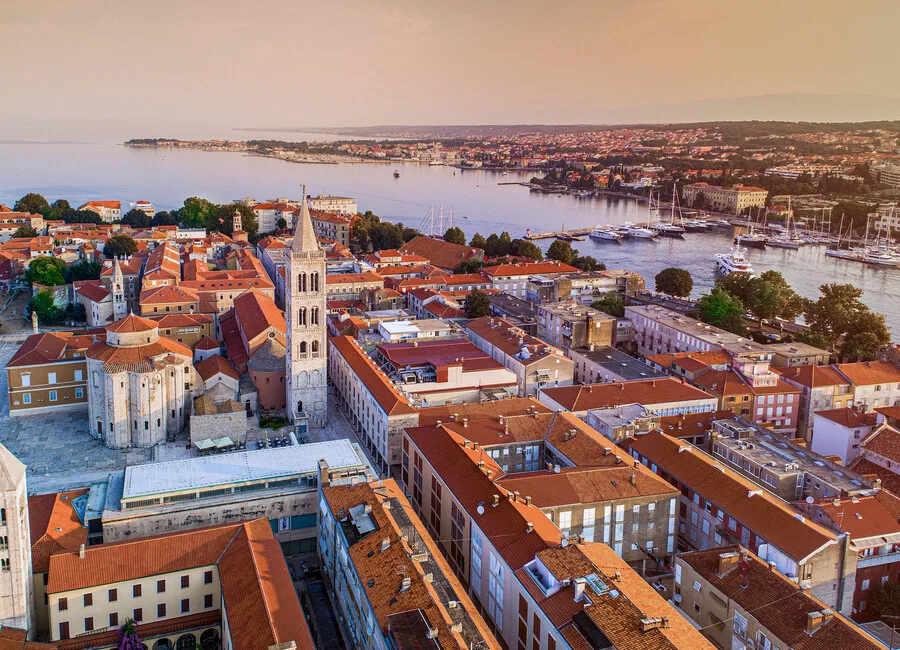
x=56 y=447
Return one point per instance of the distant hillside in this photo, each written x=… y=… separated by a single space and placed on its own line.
x=746 y=116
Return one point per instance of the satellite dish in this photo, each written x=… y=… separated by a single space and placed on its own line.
x=565 y=541
x=380 y=483
x=677 y=598
x=480 y=509
x=810 y=500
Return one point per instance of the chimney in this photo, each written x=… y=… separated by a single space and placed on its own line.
x=633 y=478
x=727 y=562
x=406 y=584
x=648 y=624
x=466 y=444
x=438 y=423
x=474 y=445
x=34 y=322
x=579 y=587
x=814 y=621
x=529 y=527
x=516 y=495
x=81 y=552
x=385 y=544
x=528 y=501
x=324 y=478
x=465 y=423
x=510 y=496
x=490 y=473
x=496 y=499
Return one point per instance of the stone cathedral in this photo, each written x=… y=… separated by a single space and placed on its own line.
x=307 y=377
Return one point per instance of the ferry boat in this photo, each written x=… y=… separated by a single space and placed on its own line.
x=733 y=262
x=605 y=233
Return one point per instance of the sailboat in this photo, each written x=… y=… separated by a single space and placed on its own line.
x=671 y=229
x=751 y=239
x=787 y=239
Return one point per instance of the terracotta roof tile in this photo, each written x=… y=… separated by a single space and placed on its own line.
x=55 y=526
x=388 y=397
x=214 y=365
x=644 y=391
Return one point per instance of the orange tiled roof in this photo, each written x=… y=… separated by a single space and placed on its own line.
x=388 y=397
x=214 y=365
x=131 y=324
x=643 y=391
x=763 y=513
x=848 y=417
x=870 y=372
x=55 y=526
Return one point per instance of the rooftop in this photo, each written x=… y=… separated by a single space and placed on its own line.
x=237 y=467
x=616 y=361
x=776 y=602
x=647 y=392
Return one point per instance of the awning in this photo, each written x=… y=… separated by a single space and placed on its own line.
x=221 y=443
x=203 y=445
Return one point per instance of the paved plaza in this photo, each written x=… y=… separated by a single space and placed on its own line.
x=60 y=453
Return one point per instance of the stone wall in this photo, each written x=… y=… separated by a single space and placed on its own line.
x=210 y=427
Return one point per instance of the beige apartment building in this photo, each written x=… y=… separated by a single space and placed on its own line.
x=733 y=200
x=49 y=372
x=570 y=325
x=719 y=590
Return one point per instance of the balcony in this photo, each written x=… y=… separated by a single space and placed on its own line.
x=878 y=560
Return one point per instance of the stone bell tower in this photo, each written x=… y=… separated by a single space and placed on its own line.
x=307 y=378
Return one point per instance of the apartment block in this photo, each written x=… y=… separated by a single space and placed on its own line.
x=733 y=200
x=658 y=330
x=720 y=590
x=388 y=580
x=719 y=507
x=567 y=325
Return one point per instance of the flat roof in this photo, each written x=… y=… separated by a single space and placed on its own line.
x=412 y=326
x=624 y=365
x=237 y=467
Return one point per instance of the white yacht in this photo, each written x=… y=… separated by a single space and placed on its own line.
x=733 y=262
x=605 y=233
x=638 y=232
x=881 y=257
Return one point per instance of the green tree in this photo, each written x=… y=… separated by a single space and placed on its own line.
x=60 y=207
x=135 y=218
x=504 y=244
x=884 y=599
x=409 y=233
x=455 y=235
x=32 y=203
x=281 y=224
x=492 y=246
x=838 y=320
x=477 y=304
x=721 y=309
x=561 y=251
x=386 y=235
x=530 y=250
x=81 y=216
x=119 y=246
x=49 y=271
x=468 y=266
x=585 y=263
x=25 y=232
x=47 y=312
x=163 y=218
x=195 y=213
x=83 y=270
x=675 y=282
x=477 y=241
x=221 y=219
x=610 y=303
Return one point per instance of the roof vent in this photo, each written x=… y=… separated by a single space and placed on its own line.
x=406 y=584
x=385 y=544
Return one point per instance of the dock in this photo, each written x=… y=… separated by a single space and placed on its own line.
x=569 y=235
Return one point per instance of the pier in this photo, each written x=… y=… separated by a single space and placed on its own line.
x=559 y=234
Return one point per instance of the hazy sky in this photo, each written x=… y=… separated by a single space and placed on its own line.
x=165 y=67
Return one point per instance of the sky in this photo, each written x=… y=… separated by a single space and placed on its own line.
x=169 y=67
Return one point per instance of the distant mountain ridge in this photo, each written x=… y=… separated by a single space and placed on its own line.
x=839 y=112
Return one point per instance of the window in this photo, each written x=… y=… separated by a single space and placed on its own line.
x=565 y=520
x=26 y=379
x=589 y=516
x=26 y=398
x=79 y=393
x=136 y=592
x=88 y=599
x=740 y=625
x=78 y=376
x=207 y=578
x=53 y=395
x=185 y=582
x=161 y=610
x=64 y=630
x=185 y=605
x=113 y=595
x=865 y=585
x=114 y=619
x=207 y=601
x=138 y=615
x=160 y=586
x=89 y=624
x=51 y=377
x=63 y=604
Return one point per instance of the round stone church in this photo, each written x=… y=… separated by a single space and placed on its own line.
x=139 y=385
